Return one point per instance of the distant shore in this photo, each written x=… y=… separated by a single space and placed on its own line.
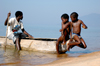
x=91 y=59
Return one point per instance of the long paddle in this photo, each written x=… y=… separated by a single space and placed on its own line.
x=5 y=43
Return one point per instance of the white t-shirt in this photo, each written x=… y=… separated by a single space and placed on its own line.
x=13 y=22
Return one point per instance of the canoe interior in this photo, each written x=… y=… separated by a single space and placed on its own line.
x=42 y=39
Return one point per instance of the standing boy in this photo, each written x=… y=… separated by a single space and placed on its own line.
x=64 y=33
x=14 y=24
x=76 y=26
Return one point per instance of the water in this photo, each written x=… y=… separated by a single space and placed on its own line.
x=10 y=57
x=26 y=58
x=92 y=39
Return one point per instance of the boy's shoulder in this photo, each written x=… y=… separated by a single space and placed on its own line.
x=80 y=20
x=68 y=23
x=71 y=22
x=13 y=18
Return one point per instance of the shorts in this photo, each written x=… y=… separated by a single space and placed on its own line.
x=77 y=35
x=14 y=36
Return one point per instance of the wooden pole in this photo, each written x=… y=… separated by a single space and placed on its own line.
x=5 y=43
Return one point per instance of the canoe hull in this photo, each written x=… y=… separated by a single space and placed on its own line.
x=46 y=46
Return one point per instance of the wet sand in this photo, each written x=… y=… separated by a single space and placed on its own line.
x=91 y=59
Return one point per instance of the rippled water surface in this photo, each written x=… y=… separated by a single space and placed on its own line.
x=25 y=58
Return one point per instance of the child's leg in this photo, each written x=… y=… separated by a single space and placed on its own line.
x=71 y=45
x=83 y=44
x=60 y=39
x=77 y=42
x=65 y=37
x=18 y=44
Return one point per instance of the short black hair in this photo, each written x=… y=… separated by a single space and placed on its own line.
x=74 y=14
x=65 y=16
x=18 y=13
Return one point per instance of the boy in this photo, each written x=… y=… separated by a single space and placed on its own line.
x=14 y=25
x=76 y=25
x=64 y=33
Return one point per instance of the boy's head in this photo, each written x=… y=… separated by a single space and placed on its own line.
x=19 y=14
x=65 y=18
x=74 y=16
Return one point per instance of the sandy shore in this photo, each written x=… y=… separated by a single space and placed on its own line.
x=91 y=59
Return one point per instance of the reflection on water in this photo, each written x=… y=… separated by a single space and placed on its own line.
x=26 y=58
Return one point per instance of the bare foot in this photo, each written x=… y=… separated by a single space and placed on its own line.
x=63 y=43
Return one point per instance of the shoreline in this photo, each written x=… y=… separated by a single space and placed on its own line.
x=90 y=59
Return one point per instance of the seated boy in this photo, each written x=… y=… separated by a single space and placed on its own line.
x=14 y=24
x=65 y=32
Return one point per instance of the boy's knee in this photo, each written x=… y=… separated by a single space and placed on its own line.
x=85 y=47
x=79 y=42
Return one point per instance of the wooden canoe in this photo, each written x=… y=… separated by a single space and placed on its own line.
x=46 y=45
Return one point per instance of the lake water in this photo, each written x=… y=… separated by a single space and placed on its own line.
x=27 y=58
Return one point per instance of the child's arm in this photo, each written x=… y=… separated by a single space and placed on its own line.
x=61 y=28
x=65 y=26
x=83 y=25
x=70 y=30
x=23 y=30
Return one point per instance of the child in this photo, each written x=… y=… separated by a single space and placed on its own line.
x=14 y=25
x=76 y=25
x=65 y=32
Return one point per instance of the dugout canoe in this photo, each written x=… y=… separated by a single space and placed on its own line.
x=46 y=45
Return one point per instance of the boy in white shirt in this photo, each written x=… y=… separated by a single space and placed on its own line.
x=14 y=24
